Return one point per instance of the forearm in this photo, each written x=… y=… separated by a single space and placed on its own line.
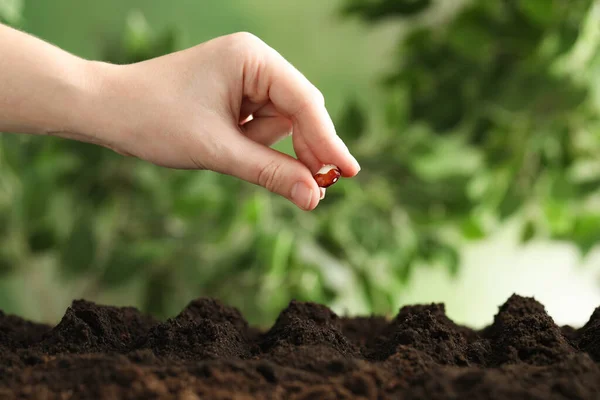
x=43 y=89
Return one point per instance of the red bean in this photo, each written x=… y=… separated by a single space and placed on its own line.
x=327 y=175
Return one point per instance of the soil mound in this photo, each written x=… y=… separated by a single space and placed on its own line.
x=209 y=351
x=89 y=328
x=205 y=329
x=523 y=332
x=425 y=328
x=302 y=324
x=588 y=337
x=16 y=332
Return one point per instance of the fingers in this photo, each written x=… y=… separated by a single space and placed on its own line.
x=295 y=97
x=269 y=127
x=269 y=130
x=273 y=170
x=319 y=135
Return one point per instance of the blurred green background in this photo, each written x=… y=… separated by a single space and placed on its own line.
x=476 y=124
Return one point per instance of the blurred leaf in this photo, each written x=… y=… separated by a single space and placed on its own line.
x=79 y=250
x=471 y=39
x=254 y=210
x=369 y=292
x=282 y=250
x=586 y=232
x=471 y=229
x=11 y=11
x=379 y=9
x=41 y=239
x=34 y=198
x=448 y=256
x=528 y=232
x=559 y=217
x=562 y=188
x=125 y=264
x=7 y=261
x=159 y=294
x=405 y=265
x=140 y=42
x=543 y=12
x=12 y=151
x=326 y=238
x=352 y=123
x=137 y=32
x=447 y=158
x=589 y=187
x=396 y=107
x=510 y=204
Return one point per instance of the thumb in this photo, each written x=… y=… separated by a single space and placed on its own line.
x=277 y=172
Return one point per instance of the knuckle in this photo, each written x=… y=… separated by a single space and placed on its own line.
x=319 y=97
x=313 y=100
x=244 y=47
x=268 y=176
x=245 y=39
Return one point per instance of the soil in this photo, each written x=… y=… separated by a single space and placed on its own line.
x=209 y=351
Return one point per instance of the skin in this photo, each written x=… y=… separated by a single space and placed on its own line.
x=216 y=106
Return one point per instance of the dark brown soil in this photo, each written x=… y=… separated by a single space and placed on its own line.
x=208 y=351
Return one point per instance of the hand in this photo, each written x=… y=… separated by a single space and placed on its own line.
x=219 y=106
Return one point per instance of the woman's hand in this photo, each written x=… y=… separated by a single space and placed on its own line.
x=216 y=106
x=219 y=106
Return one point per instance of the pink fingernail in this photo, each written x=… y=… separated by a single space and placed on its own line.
x=356 y=164
x=302 y=195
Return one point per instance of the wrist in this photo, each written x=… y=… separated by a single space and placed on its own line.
x=117 y=106
x=86 y=97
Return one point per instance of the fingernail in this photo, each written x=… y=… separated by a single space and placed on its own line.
x=322 y=190
x=356 y=164
x=342 y=143
x=354 y=161
x=302 y=195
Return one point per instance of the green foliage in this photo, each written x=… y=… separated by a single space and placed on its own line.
x=498 y=123
x=489 y=116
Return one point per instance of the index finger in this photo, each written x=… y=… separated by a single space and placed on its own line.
x=298 y=99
